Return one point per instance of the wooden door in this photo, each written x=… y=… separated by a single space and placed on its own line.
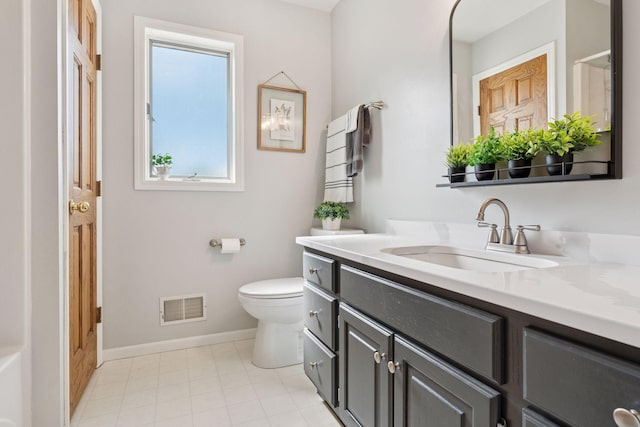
x=82 y=194
x=515 y=98
x=365 y=382
x=429 y=392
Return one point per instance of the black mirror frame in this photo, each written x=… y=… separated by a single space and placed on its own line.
x=615 y=165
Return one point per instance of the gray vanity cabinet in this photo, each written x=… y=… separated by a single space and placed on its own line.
x=576 y=384
x=431 y=393
x=531 y=418
x=365 y=381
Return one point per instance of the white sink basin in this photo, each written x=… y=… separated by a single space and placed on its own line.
x=470 y=259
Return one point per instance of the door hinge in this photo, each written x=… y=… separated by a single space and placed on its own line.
x=98 y=188
x=479 y=110
x=98 y=314
x=338 y=321
x=99 y=62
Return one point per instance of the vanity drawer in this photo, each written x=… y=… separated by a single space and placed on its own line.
x=576 y=384
x=320 y=271
x=320 y=367
x=533 y=419
x=320 y=311
x=469 y=336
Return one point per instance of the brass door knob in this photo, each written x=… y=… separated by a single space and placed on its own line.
x=81 y=207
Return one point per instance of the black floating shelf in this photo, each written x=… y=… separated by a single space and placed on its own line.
x=530 y=180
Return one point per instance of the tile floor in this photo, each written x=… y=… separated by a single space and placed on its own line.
x=211 y=386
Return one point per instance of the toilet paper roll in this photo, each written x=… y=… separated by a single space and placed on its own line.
x=230 y=246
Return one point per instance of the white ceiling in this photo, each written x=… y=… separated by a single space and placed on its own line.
x=324 y=5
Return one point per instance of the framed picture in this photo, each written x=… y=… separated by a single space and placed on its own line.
x=282 y=119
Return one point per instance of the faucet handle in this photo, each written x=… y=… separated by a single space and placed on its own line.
x=528 y=227
x=493 y=233
x=482 y=224
x=520 y=239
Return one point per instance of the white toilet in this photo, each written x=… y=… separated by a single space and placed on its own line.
x=277 y=304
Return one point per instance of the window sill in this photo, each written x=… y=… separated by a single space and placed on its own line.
x=183 y=184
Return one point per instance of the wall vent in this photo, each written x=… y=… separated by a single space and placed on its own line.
x=182 y=309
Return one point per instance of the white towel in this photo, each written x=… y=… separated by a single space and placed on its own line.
x=351 y=122
x=338 y=186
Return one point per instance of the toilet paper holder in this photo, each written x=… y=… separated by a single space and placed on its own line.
x=218 y=243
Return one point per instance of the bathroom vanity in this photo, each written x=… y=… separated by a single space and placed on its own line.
x=392 y=340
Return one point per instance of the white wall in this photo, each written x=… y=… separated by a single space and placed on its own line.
x=12 y=191
x=156 y=243
x=46 y=246
x=405 y=63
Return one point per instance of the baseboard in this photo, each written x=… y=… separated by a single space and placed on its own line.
x=177 y=344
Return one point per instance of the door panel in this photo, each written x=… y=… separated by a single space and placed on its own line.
x=365 y=384
x=515 y=98
x=82 y=183
x=431 y=393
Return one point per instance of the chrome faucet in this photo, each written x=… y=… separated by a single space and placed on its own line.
x=506 y=238
x=505 y=242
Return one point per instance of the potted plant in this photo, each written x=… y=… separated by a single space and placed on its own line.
x=457 y=161
x=331 y=214
x=520 y=147
x=564 y=137
x=162 y=165
x=484 y=153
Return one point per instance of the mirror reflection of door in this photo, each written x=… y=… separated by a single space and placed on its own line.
x=515 y=98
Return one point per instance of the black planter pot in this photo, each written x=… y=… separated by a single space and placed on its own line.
x=457 y=174
x=485 y=171
x=519 y=168
x=556 y=169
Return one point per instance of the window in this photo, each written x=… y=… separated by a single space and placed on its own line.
x=188 y=104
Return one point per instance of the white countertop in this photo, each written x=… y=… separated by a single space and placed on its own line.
x=595 y=287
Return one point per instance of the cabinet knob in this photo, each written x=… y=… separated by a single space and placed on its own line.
x=377 y=357
x=626 y=418
x=314 y=364
x=313 y=270
x=313 y=313
x=392 y=366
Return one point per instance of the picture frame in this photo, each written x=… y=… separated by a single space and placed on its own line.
x=282 y=119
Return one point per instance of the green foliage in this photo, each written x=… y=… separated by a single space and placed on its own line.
x=521 y=144
x=486 y=149
x=331 y=210
x=160 y=160
x=572 y=133
x=458 y=156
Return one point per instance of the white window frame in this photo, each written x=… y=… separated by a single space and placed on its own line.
x=147 y=29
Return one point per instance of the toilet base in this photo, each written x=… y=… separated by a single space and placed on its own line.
x=277 y=345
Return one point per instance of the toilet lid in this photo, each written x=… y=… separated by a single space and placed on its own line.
x=276 y=288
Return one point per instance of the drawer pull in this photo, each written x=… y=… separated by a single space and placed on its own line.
x=377 y=357
x=313 y=313
x=314 y=364
x=313 y=271
x=626 y=418
x=392 y=366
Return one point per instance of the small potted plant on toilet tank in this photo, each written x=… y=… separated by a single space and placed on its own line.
x=162 y=165
x=331 y=214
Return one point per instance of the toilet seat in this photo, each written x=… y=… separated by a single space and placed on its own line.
x=290 y=287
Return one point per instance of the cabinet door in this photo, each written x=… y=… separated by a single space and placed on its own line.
x=365 y=383
x=431 y=393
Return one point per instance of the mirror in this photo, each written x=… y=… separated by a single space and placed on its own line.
x=569 y=52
